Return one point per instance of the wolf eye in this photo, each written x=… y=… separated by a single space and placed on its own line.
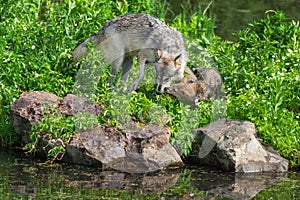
x=177 y=59
x=166 y=79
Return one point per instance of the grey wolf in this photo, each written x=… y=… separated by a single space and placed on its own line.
x=145 y=37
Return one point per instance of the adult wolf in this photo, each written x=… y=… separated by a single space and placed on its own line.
x=145 y=37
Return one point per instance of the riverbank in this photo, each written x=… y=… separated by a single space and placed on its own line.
x=260 y=70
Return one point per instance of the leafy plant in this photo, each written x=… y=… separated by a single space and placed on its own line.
x=261 y=78
x=36 y=43
x=85 y=121
x=197 y=24
x=55 y=128
x=188 y=121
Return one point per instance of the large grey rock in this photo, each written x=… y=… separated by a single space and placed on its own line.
x=232 y=146
x=132 y=149
x=135 y=150
x=30 y=108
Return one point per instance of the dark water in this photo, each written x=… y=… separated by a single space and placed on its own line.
x=232 y=16
x=23 y=178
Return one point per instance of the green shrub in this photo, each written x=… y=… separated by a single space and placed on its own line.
x=261 y=77
x=55 y=126
x=36 y=42
x=37 y=39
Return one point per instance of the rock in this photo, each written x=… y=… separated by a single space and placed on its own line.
x=133 y=149
x=136 y=150
x=75 y=152
x=72 y=105
x=30 y=108
x=228 y=144
x=193 y=88
x=232 y=146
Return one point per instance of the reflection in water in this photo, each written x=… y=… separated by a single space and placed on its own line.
x=235 y=185
x=21 y=177
x=26 y=176
x=234 y=15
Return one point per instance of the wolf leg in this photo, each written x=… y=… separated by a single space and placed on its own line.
x=115 y=67
x=142 y=61
x=126 y=67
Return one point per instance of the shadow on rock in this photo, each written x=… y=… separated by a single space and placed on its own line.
x=232 y=145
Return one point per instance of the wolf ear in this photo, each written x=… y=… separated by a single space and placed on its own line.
x=177 y=59
x=159 y=54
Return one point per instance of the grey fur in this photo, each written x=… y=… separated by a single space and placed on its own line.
x=142 y=36
x=212 y=78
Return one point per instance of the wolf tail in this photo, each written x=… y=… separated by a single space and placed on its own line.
x=81 y=50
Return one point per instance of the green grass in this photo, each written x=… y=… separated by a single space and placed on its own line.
x=36 y=43
x=260 y=70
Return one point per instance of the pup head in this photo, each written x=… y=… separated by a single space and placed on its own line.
x=168 y=68
x=190 y=91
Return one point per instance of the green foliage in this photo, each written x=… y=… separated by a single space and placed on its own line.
x=7 y=135
x=189 y=120
x=54 y=127
x=85 y=121
x=197 y=25
x=37 y=39
x=261 y=72
x=56 y=151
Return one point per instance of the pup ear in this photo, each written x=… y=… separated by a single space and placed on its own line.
x=177 y=59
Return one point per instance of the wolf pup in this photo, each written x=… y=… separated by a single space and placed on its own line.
x=205 y=84
x=145 y=37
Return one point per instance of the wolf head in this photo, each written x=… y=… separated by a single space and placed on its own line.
x=168 y=68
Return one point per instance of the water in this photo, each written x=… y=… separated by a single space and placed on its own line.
x=234 y=15
x=23 y=178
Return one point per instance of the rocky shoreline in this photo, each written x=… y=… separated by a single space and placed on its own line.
x=228 y=144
